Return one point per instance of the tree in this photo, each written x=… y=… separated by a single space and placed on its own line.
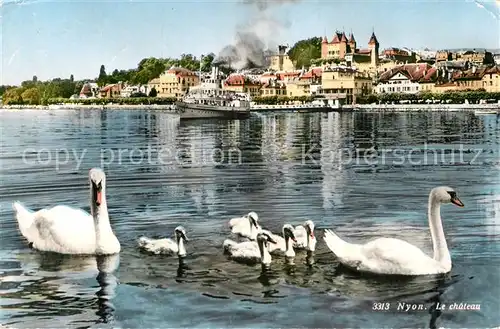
x=35 y=79
x=189 y=62
x=71 y=78
x=304 y=51
x=4 y=88
x=206 y=62
x=102 y=79
x=153 y=92
x=148 y=69
x=13 y=96
x=31 y=96
x=78 y=87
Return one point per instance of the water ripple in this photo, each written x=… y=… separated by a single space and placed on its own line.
x=363 y=174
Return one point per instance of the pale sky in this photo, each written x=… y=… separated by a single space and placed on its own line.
x=56 y=38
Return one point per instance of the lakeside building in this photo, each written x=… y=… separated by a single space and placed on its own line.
x=89 y=90
x=345 y=84
x=305 y=84
x=273 y=88
x=414 y=78
x=241 y=83
x=130 y=90
x=174 y=82
x=405 y=79
x=111 y=90
x=281 y=61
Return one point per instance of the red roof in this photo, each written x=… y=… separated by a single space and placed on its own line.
x=108 y=87
x=430 y=75
x=316 y=72
x=235 y=80
x=414 y=72
x=239 y=80
x=351 y=38
x=338 y=37
x=471 y=75
x=364 y=51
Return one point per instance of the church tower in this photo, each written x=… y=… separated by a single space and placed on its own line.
x=373 y=45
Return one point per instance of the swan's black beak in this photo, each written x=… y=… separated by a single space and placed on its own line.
x=184 y=237
x=456 y=201
x=271 y=239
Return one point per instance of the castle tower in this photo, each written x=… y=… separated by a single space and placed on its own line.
x=343 y=46
x=324 y=48
x=352 y=43
x=373 y=45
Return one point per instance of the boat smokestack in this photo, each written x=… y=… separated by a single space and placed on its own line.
x=215 y=72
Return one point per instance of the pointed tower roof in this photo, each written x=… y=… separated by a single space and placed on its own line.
x=373 y=39
x=344 y=38
x=351 y=38
x=336 y=37
x=325 y=40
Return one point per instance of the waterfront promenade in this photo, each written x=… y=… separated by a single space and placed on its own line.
x=276 y=108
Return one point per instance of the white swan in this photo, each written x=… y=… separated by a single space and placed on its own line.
x=303 y=238
x=250 y=251
x=67 y=230
x=246 y=226
x=284 y=245
x=165 y=246
x=304 y=235
x=394 y=256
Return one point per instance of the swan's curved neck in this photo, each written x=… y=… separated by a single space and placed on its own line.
x=289 y=252
x=265 y=256
x=101 y=219
x=441 y=253
x=180 y=244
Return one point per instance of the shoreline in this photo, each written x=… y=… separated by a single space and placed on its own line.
x=279 y=108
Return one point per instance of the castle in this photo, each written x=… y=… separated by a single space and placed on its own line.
x=343 y=48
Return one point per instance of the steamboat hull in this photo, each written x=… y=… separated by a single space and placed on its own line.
x=202 y=111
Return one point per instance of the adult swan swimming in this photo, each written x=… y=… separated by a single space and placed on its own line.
x=67 y=230
x=394 y=256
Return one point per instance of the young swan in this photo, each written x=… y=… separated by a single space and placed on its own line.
x=263 y=240
x=288 y=234
x=305 y=236
x=250 y=252
x=246 y=226
x=166 y=246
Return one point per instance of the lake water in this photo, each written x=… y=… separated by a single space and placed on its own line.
x=288 y=168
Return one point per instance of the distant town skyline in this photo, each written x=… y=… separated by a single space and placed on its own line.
x=52 y=39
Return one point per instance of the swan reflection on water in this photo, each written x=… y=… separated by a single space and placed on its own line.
x=106 y=265
x=57 y=277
